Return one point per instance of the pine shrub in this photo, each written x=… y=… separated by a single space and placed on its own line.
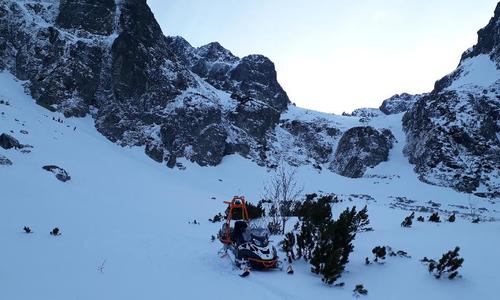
x=359 y=290
x=448 y=265
x=451 y=218
x=408 y=221
x=362 y=220
x=380 y=252
x=434 y=218
x=323 y=242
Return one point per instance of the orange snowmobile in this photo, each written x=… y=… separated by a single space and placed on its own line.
x=249 y=246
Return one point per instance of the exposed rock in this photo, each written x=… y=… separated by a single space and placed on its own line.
x=111 y=59
x=488 y=40
x=399 y=103
x=7 y=142
x=453 y=132
x=155 y=152
x=447 y=149
x=315 y=137
x=364 y=113
x=94 y=16
x=210 y=146
x=253 y=76
x=360 y=148
x=59 y=172
x=142 y=88
x=4 y=161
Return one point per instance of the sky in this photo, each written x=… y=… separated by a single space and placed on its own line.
x=337 y=55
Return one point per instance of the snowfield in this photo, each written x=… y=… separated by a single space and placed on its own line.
x=125 y=219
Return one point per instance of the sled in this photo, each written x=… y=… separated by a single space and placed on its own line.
x=249 y=246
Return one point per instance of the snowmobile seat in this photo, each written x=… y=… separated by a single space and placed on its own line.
x=238 y=232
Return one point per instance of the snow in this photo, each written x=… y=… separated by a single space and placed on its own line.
x=129 y=215
x=478 y=71
x=308 y=115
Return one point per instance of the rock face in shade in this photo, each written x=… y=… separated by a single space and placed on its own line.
x=399 y=103
x=92 y=16
x=361 y=148
x=453 y=133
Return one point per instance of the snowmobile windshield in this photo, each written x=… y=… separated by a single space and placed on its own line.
x=261 y=241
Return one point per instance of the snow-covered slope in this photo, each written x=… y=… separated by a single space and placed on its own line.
x=125 y=231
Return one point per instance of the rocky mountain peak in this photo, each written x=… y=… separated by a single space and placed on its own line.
x=488 y=41
x=453 y=132
x=399 y=103
x=480 y=64
x=215 y=52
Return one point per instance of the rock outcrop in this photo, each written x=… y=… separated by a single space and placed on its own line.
x=453 y=133
x=8 y=142
x=361 y=148
x=399 y=103
x=59 y=172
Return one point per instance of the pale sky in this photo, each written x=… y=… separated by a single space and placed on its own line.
x=337 y=55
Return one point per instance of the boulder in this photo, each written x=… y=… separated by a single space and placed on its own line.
x=361 y=148
x=59 y=172
x=7 y=142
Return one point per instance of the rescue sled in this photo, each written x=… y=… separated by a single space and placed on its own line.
x=249 y=246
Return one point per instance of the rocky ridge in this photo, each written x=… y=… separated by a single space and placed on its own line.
x=111 y=60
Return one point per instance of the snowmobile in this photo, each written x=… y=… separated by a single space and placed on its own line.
x=249 y=246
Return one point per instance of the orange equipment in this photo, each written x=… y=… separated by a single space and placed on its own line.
x=237 y=202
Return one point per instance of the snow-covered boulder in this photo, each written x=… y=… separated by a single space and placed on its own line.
x=361 y=148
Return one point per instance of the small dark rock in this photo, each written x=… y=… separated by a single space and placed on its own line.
x=4 y=161
x=60 y=173
x=7 y=142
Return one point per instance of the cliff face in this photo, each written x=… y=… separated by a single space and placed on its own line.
x=113 y=61
x=453 y=133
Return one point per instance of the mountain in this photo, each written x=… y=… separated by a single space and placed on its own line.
x=88 y=88
x=453 y=132
x=110 y=59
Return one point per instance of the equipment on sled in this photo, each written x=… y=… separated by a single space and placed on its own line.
x=249 y=246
